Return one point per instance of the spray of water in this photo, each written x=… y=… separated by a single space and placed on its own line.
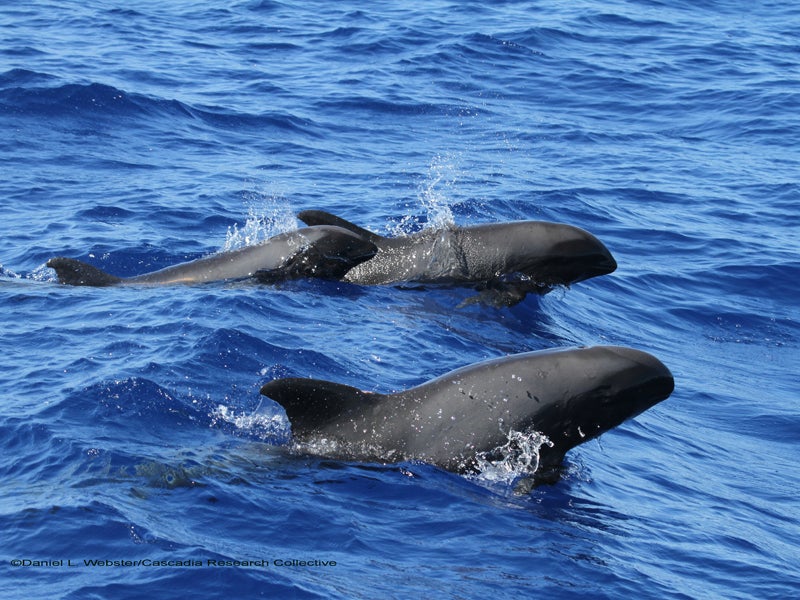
x=8 y=273
x=434 y=195
x=517 y=457
x=261 y=424
x=267 y=216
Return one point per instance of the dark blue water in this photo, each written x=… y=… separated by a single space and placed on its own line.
x=131 y=428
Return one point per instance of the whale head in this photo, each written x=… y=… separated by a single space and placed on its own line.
x=608 y=386
x=556 y=253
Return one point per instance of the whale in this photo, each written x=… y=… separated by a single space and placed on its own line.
x=319 y=251
x=468 y=416
x=503 y=261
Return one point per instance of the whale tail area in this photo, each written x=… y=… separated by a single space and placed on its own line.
x=74 y=272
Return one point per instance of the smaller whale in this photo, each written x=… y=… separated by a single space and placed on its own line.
x=503 y=261
x=320 y=251
x=468 y=415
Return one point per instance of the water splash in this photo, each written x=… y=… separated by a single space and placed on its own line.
x=8 y=273
x=267 y=216
x=42 y=273
x=517 y=457
x=261 y=424
x=435 y=195
x=436 y=192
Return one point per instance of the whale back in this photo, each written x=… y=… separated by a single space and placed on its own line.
x=521 y=256
x=324 y=252
x=568 y=395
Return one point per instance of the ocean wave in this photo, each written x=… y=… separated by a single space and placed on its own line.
x=22 y=94
x=144 y=135
x=90 y=100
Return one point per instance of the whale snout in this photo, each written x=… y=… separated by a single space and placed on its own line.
x=644 y=360
x=605 y=263
x=644 y=373
x=595 y=256
x=578 y=258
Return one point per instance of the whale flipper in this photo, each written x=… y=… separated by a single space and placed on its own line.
x=75 y=272
x=312 y=403
x=502 y=293
x=320 y=217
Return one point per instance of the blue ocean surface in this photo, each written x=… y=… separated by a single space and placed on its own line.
x=137 y=457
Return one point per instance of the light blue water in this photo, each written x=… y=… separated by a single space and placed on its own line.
x=131 y=426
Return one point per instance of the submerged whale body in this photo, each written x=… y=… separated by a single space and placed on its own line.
x=320 y=251
x=504 y=261
x=568 y=395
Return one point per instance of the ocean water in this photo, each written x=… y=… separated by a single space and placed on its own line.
x=135 y=449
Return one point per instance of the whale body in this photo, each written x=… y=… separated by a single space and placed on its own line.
x=568 y=395
x=320 y=251
x=505 y=261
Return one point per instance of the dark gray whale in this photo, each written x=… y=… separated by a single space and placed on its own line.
x=505 y=261
x=323 y=251
x=569 y=395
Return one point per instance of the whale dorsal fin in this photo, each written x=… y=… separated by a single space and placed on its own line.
x=320 y=217
x=312 y=403
x=330 y=257
x=75 y=272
